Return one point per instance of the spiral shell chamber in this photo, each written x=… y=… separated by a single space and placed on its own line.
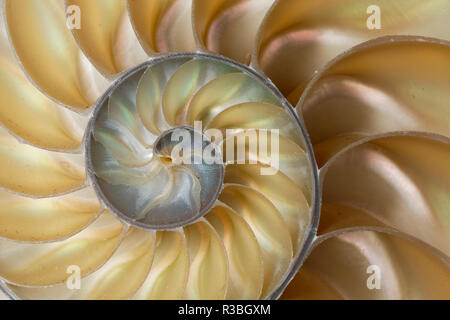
x=309 y=235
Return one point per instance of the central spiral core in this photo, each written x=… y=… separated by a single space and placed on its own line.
x=187 y=149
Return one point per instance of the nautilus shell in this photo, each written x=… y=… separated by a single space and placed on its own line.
x=341 y=171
